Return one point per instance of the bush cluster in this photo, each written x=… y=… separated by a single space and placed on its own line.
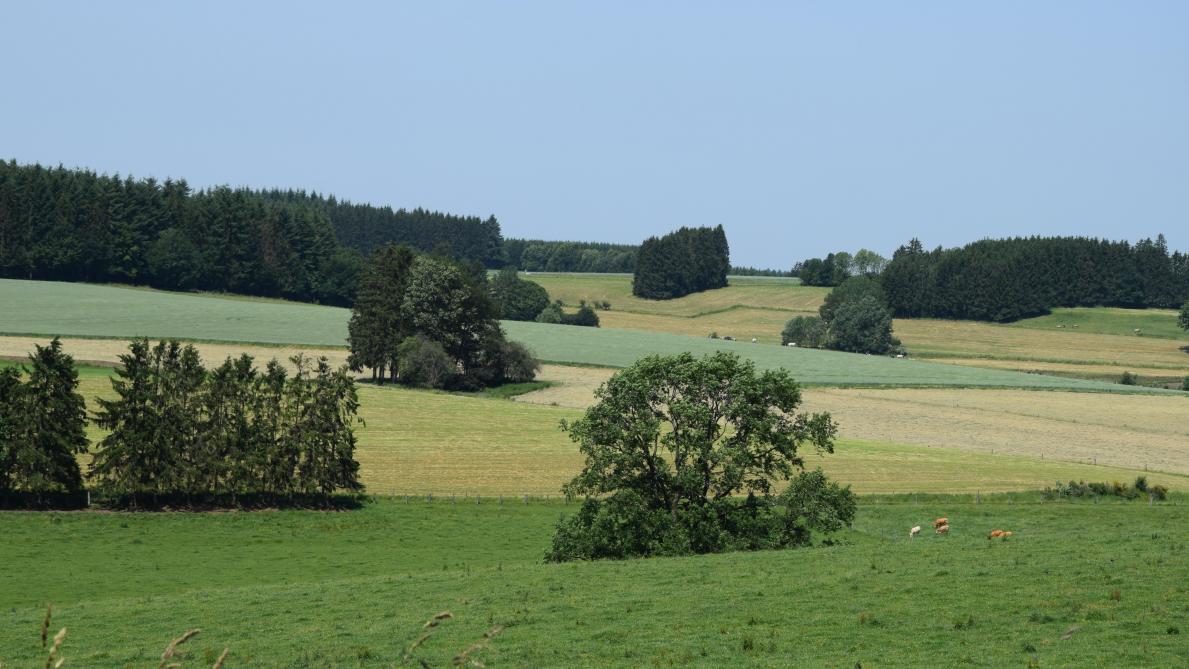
x=1139 y=489
x=427 y=321
x=625 y=525
x=585 y=316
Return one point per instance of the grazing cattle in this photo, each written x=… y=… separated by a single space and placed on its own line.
x=753 y=340
x=1007 y=534
x=995 y=534
x=941 y=521
x=943 y=529
x=914 y=531
x=792 y=343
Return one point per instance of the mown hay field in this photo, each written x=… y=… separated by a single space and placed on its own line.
x=420 y=442
x=1131 y=432
x=1080 y=584
x=89 y=311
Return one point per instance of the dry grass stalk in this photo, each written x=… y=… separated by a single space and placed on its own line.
x=171 y=649
x=219 y=662
x=465 y=656
x=49 y=660
x=45 y=624
x=436 y=620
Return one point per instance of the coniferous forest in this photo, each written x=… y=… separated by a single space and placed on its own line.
x=1009 y=279
x=688 y=260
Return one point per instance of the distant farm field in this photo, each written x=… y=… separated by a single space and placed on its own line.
x=1080 y=584
x=420 y=442
x=1133 y=432
x=103 y=311
x=756 y=292
x=1103 y=344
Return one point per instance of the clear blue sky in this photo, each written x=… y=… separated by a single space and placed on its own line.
x=801 y=127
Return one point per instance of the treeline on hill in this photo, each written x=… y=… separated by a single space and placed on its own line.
x=177 y=434
x=838 y=267
x=365 y=228
x=75 y=225
x=536 y=255
x=688 y=260
x=1009 y=279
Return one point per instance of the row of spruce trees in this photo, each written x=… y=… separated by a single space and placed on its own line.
x=63 y=224
x=177 y=431
x=688 y=260
x=1009 y=279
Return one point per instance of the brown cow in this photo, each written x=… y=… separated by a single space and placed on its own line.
x=941 y=521
x=943 y=529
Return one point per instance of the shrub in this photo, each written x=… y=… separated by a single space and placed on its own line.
x=805 y=331
x=851 y=290
x=1128 y=379
x=517 y=299
x=551 y=314
x=813 y=503
x=423 y=362
x=585 y=317
x=862 y=326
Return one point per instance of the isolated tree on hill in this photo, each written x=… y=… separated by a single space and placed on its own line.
x=516 y=298
x=669 y=443
x=804 y=331
x=850 y=290
x=378 y=325
x=447 y=306
x=862 y=326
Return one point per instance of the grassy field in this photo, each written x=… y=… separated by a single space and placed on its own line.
x=758 y=292
x=1080 y=585
x=1102 y=346
x=607 y=347
x=104 y=311
x=1132 y=432
x=1106 y=320
x=419 y=442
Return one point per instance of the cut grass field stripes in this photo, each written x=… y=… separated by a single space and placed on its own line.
x=419 y=442
x=1132 y=432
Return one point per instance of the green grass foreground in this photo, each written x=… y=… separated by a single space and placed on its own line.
x=1080 y=584
x=84 y=310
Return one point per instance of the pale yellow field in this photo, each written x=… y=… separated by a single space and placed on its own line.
x=106 y=352
x=420 y=442
x=1129 y=432
x=742 y=292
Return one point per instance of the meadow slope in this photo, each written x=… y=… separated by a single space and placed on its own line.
x=1079 y=584
x=49 y=308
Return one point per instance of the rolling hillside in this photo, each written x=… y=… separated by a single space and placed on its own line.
x=47 y=308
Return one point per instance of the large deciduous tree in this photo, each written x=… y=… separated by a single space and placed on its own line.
x=670 y=445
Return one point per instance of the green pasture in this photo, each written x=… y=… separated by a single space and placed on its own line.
x=1160 y=323
x=1080 y=584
